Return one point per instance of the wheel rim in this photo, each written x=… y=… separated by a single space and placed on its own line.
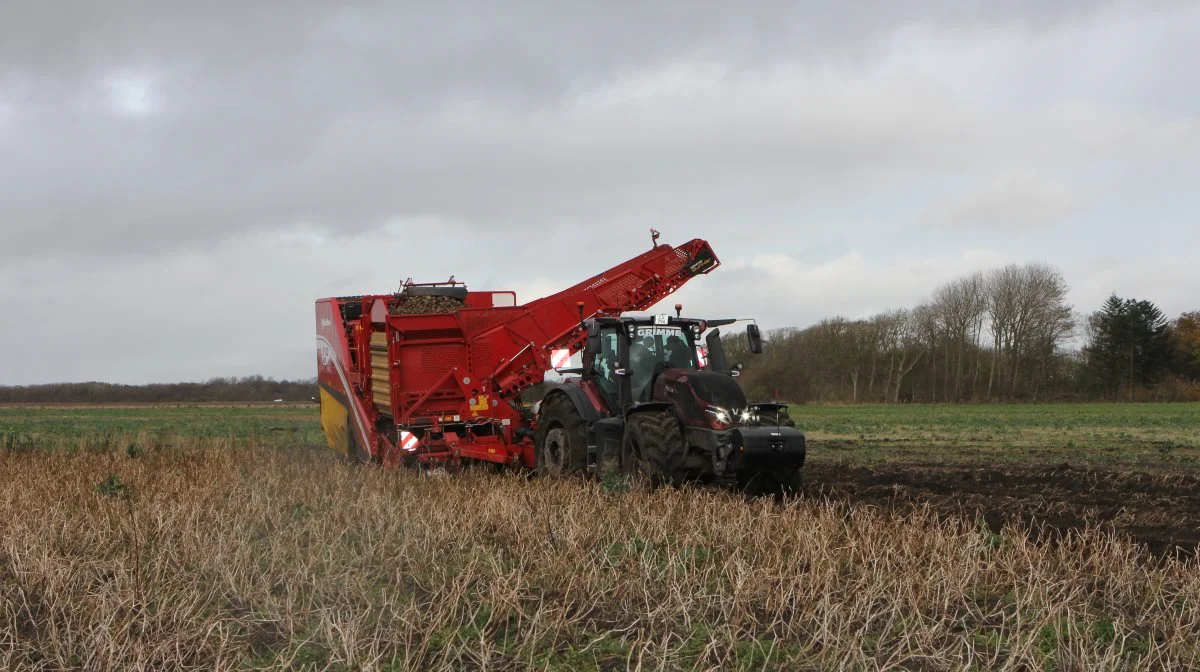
x=555 y=449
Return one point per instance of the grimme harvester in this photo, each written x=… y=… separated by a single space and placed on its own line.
x=435 y=373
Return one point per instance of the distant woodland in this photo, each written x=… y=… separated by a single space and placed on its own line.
x=1002 y=335
x=248 y=389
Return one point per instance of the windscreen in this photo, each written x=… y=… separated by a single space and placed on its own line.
x=655 y=347
x=669 y=345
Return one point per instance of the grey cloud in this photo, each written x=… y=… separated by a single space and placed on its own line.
x=1007 y=203
x=76 y=34
x=526 y=143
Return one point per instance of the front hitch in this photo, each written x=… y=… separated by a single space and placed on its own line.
x=765 y=448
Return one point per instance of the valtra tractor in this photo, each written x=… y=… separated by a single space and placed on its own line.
x=434 y=374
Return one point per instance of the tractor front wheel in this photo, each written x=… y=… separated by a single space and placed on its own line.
x=653 y=447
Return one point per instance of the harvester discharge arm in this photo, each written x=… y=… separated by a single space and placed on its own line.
x=553 y=322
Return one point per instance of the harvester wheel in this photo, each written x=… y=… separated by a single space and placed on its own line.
x=561 y=441
x=653 y=447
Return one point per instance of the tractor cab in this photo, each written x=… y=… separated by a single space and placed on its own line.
x=624 y=356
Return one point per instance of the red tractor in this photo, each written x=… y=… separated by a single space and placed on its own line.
x=434 y=373
x=648 y=402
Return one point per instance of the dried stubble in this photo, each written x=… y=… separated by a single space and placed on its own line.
x=220 y=555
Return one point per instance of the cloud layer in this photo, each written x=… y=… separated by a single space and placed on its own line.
x=184 y=182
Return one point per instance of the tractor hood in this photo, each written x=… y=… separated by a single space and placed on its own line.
x=715 y=389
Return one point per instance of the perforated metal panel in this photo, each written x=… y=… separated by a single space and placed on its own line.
x=476 y=322
x=617 y=291
x=481 y=356
x=438 y=358
x=677 y=262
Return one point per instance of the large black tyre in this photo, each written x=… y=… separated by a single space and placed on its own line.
x=781 y=483
x=653 y=447
x=561 y=440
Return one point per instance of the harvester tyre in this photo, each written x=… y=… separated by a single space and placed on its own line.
x=653 y=447
x=561 y=439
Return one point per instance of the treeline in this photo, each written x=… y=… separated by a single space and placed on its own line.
x=247 y=389
x=1006 y=334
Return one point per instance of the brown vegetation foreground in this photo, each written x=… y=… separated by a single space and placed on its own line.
x=213 y=556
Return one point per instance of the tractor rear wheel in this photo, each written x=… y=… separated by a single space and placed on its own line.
x=561 y=440
x=653 y=447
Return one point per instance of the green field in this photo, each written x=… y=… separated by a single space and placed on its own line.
x=1113 y=435
x=1144 y=436
x=84 y=427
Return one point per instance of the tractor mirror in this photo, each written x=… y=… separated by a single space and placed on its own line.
x=755 y=337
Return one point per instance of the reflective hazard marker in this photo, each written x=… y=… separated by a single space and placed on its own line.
x=560 y=358
x=408 y=441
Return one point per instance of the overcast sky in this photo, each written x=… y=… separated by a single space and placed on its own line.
x=180 y=181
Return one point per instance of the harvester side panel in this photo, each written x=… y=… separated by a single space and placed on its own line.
x=344 y=416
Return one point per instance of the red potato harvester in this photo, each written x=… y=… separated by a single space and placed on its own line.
x=435 y=373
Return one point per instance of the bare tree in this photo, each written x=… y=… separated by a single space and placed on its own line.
x=911 y=345
x=927 y=325
x=902 y=343
x=938 y=349
x=875 y=343
x=960 y=306
x=1029 y=318
x=1002 y=289
x=860 y=352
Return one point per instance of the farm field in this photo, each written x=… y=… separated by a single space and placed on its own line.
x=930 y=537
x=1135 y=467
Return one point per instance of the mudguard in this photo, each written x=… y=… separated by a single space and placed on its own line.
x=578 y=398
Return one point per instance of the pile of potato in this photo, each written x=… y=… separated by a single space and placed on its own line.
x=414 y=305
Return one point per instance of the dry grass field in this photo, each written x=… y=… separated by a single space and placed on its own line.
x=221 y=539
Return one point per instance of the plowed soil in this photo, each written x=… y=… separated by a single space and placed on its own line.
x=1158 y=509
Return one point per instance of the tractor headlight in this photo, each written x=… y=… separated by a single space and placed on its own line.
x=719 y=418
